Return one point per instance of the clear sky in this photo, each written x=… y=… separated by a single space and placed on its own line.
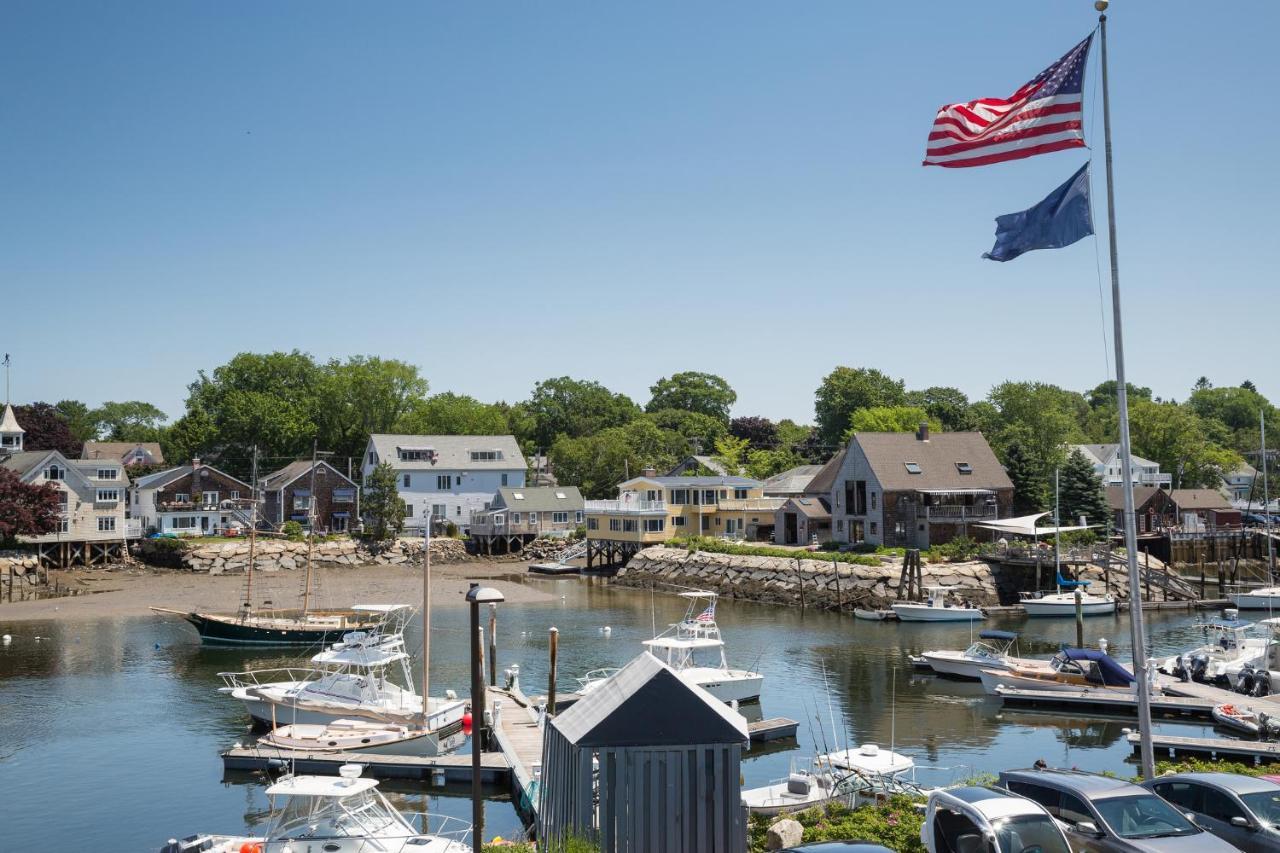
x=503 y=192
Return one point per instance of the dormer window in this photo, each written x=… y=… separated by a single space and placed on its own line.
x=10 y=440
x=106 y=473
x=417 y=454
x=55 y=472
x=561 y=496
x=486 y=455
x=964 y=467
x=913 y=467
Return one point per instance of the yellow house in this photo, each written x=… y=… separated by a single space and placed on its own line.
x=651 y=509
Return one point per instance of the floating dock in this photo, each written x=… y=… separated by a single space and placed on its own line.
x=1248 y=751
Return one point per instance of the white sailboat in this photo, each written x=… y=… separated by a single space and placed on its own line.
x=337 y=814
x=1062 y=602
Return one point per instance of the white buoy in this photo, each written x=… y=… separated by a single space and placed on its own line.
x=1103 y=644
x=7 y=639
x=606 y=630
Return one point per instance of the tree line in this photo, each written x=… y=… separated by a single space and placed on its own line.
x=593 y=437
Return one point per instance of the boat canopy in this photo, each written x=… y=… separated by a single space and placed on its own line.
x=682 y=643
x=380 y=608
x=1025 y=525
x=1113 y=674
x=998 y=635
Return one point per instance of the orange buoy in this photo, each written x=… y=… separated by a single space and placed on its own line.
x=250 y=847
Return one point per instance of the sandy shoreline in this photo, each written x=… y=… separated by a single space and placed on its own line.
x=132 y=592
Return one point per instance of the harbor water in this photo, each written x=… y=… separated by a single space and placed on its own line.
x=110 y=730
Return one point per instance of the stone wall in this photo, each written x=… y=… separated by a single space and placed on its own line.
x=275 y=555
x=17 y=563
x=836 y=585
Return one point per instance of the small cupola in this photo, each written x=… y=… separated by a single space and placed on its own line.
x=11 y=432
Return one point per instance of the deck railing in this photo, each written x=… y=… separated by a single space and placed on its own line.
x=960 y=512
x=626 y=506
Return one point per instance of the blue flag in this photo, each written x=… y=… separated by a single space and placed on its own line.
x=1061 y=219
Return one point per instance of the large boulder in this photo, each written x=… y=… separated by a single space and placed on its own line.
x=783 y=834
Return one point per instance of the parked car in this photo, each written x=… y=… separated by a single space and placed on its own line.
x=1243 y=810
x=1102 y=814
x=983 y=819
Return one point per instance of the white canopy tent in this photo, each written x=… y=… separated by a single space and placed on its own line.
x=1025 y=525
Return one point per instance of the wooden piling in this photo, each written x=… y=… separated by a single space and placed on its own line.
x=493 y=645
x=800 y=578
x=835 y=567
x=1079 y=620
x=551 y=670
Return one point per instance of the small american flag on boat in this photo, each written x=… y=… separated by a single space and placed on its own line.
x=708 y=615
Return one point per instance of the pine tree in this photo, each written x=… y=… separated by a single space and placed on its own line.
x=383 y=508
x=1030 y=490
x=1081 y=492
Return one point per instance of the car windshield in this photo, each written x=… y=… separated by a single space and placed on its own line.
x=1029 y=834
x=1265 y=806
x=1145 y=816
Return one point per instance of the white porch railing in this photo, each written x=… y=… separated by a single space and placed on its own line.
x=627 y=506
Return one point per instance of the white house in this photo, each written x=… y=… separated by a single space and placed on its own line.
x=191 y=500
x=1105 y=459
x=446 y=477
x=1240 y=483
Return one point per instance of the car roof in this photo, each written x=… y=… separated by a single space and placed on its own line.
x=1231 y=781
x=1091 y=785
x=994 y=803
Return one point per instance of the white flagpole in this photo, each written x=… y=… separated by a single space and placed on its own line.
x=1126 y=453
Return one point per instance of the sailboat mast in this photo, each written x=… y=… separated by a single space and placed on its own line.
x=253 y=533
x=1126 y=453
x=1266 y=497
x=426 y=616
x=1057 y=530
x=311 y=527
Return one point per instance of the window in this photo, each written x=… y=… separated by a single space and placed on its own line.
x=444 y=482
x=417 y=454
x=234 y=495
x=106 y=523
x=560 y=496
x=518 y=495
x=408 y=510
x=615 y=524
x=107 y=496
x=577 y=517
x=107 y=473
x=678 y=521
x=62 y=499
x=740 y=494
x=504 y=479
x=458 y=509
x=655 y=525
x=839 y=525
x=301 y=499
x=54 y=472
x=344 y=496
x=1220 y=806
x=559 y=518
x=875 y=529
x=181 y=498
x=912 y=467
x=1047 y=797
x=1182 y=794
x=439 y=510
x=8 y=441
x=373 y=458
x=628 y=525
x=210 y=498
x=486 y=455
x=1073 y=810
x=724 y=493
x=182 y=522
x=964 y=467
x=515 y=518
x=708 y=496
x=593 y=524
x=533 y=519
x=406 y=481
x=679 y=496
x=873 y=500
x=860 y=497
x=63 y=525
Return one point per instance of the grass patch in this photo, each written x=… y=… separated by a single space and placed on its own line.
x=719 y=546
x=895 y=824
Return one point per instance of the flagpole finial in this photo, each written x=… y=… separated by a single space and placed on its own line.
x=1101 y=5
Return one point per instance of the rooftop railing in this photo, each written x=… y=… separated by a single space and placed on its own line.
x=627 y=506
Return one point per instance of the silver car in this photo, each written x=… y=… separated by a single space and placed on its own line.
x=1240 y=809
x=1106 y=815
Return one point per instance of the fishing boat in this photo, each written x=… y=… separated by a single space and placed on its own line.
x=694 y=649
x=1070 y=670
x=990 y=651
x=936 y=608
x=1245 y=720
x=804 y=787
x=1063 y=602
x=1262 y=598
x=336 y=814
x=1229 y=647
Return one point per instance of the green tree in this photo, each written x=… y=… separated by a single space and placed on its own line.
x=890 y=419
x=453 y=414
x=701 y=431
x=575 y=408
x=191 y=435
x=704 y=393
x=1080 y=493
x=845 y=390
x=1030 y=489
x=1043 y=418
x=1104 y=394
x=363 y=395
x=949 y=406
x=597 y=463
x=731 y=453
x=763 y=464
x=381 y=504
x=133 y=420
x=78 y=418
x=1184 y=444
x=760 y=432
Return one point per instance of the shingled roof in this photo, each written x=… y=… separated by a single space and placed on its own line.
x=116 y=451
x=939 y=456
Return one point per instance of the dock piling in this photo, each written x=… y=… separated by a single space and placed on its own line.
x=1079 y=620
x=493 y=644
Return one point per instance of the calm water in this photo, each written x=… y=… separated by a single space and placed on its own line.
x=110 y=730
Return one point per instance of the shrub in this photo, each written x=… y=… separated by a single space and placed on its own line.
x=579 y=532
x=957 y=550
x=718 y=546
x=451 y=530
x=292 y=531
x=830 y=545
x=895 y=824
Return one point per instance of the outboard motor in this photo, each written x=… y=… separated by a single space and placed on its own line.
x=1180 y=669
x=1262 y=683
x=1248 y=677
x=1268 y=727
x=1199 y=666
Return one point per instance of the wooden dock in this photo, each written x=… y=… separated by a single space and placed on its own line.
x=519 y=738
x=1248 y=751
x=774 y=728
x=1106 y=701
x=1218 y=695
x=451 y=769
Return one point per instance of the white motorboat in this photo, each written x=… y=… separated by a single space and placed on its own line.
x=694 y=649
x=1263 y=598
x=1062 y=603
x=870 y=760
x=338 y=814
x=874 y=615
x=989 y=651
x=349 y=680
x=1071 y=670
x=1260 y=675
x=935 y=608
x=804 y=787
x=1228 y=649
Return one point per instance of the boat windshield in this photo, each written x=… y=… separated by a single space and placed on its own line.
x=1029 y=832
x=985 y=650
x=1144 y=816
x=330 y=817
x=1265 y=806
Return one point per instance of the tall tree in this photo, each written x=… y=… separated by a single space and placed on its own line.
x=845 y=390
x=576 y=408
x=760 y=432
x=46 y=430
x=1030 y=491
x=361 y=396
x=949 y=406
x=597 y=463
x=731 y=453
x=1104 y=394
x=133 y=420
x=1080 y=493
x=890 y=419
x=453 y=414
x=382 y=506
x=26 y=509
x=701 y=431
x=693 y=391
x=79 y=419
x=1043 y=418
x=1184 y=444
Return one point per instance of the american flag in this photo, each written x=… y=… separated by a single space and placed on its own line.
x=1042 y=116
x=708 y=615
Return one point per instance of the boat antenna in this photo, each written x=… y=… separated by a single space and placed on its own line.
x=835 y=734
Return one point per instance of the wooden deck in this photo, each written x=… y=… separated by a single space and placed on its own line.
x=1248 y=751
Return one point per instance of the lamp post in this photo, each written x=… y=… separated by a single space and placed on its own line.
x=476 y=596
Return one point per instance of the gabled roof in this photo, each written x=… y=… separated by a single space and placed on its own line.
x=160 y=479
x=647 y=704
x=30 y=461
x=453 y=451
x=9 y=421
x=704 y=482
x=1141 y=496
x=1104 y=454
x=540 y=499
x=116 y=451
x=279 y=479
x=889 y=452
x=825 y=480
x=697 y=461
x=793 y=481
x=815 y=508
x=26 y=461
x=1199 y=499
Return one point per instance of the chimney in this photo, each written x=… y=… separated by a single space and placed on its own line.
x=649 y=472
x=923 y=433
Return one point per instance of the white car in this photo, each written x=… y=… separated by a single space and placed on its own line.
x=981 y=819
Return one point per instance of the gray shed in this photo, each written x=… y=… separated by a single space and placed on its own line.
x=668 y=775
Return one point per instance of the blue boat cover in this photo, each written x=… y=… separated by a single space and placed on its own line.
x=998 y=635
x=1070 y=584
x=1113 y=674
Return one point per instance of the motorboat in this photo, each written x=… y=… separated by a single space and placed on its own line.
x=1063 y=603
x=1229 y=647
x=337 y=814
x=989 y=651
x=1245 y=720
x=694 y=649
x=352 y=679
x=804 y=787
x=362 y=736
x=1263 y=598
x=879 y=615
x=1069 y=670
x=936 y=608
x=1260 y=674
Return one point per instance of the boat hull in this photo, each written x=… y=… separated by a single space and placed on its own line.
x=228 y=631
x=745 y=688
x=1256 y=600
x=1036 y=607
x=991 y=679
x=1242 y=720
x=874 y=615
x=925 y=613
x=268 y=712
x=776 y=799
x=958 y=666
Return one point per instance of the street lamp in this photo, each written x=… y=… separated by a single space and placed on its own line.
x=476 y=596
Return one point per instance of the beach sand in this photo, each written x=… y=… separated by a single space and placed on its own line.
x=133 y=591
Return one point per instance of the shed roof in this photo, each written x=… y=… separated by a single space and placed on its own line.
x=1199 y=499
x=116 y=451
x=453 y=451
x=647 y=704
x=541 y=498
x=938 y=458
x=793 y=481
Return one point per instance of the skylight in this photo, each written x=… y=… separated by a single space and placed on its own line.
x=518 y=495
x=913 y=467
x=561 y=495
x=964 y=467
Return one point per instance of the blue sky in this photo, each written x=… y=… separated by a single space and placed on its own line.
x=501 y=193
